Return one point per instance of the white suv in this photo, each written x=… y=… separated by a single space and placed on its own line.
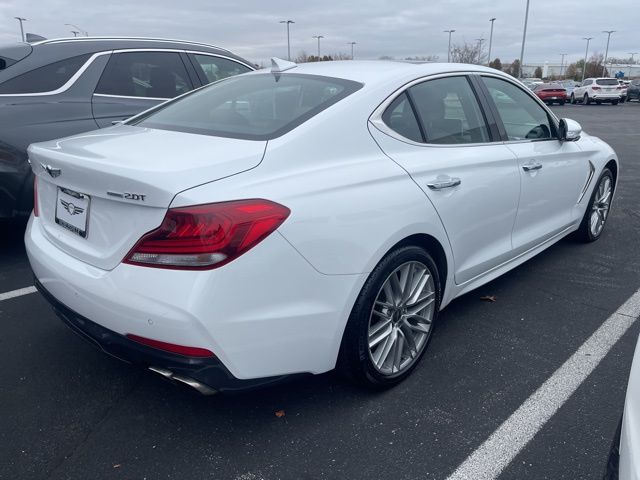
x=599 y=90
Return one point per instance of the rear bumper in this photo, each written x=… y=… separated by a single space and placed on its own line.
x=605 y=96
x=209 y=374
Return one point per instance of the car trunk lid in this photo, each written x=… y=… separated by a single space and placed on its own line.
x=123 y=179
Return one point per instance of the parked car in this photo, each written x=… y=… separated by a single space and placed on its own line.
x=290 y=220
x=56 y=88
x=551 y=93
x=633 y=90
x=597 y=90
x=624 y=457
x=569 y=85
x=623 y=90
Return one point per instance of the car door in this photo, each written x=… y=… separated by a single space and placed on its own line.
x=134 y=81
x=438 y=132
x=552 y=172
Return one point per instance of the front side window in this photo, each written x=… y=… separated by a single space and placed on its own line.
x=522 y=116
x=44 y=79
x=586 y=82
x=400 y=118
x=214 y=68
x=449 y=111
x=145 y=74
x=252 y=107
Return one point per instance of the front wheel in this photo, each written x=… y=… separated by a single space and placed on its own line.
x=597 y=212
x=586 y=100
x=572 y=99
x=392 y=320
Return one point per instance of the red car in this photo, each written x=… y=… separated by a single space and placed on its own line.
x=551 y=93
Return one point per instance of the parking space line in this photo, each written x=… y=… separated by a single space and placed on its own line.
x=17 y=293
x=491 y=458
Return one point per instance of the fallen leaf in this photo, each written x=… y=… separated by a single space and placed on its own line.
x=489 y=298
x=117 y=465
x=280 y=413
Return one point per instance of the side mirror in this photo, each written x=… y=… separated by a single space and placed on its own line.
x=570 y=130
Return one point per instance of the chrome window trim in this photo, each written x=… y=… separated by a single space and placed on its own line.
x=64 y=87
x=376 y=117
x=107 y=38
x=108 y=95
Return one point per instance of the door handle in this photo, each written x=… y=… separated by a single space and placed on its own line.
x=532 y=166
x=439 y=184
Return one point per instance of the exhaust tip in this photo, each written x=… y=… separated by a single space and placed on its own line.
x=200 y=387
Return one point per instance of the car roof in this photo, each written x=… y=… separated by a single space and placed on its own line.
x=380 y=71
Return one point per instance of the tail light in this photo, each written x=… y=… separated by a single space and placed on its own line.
x=36 y=210
x=595 y=88
x=204 y=237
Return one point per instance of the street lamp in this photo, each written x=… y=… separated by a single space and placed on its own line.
x=586 y=52
x=562 y=63
x=75 y=33
x=490 y=39
x=318 y=37
x=352 y=44
x=480 y=40
x=524 y=37
x=84 y=32
x=606 y=53
x=20 y=19
x=288 y=22
x=449 y=47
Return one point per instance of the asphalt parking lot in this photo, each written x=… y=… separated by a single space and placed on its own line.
x=70 y=412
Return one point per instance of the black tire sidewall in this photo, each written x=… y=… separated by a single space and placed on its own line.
x=354 y=349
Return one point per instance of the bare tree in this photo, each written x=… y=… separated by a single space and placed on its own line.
x=467 y=53
x=427 y=58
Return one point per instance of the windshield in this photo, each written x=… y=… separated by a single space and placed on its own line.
x=252 y=107
x=607 y=81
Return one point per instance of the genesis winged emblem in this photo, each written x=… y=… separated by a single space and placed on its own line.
x=71 y=208
x=54 y=172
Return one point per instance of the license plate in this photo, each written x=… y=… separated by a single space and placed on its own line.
x=72 y=211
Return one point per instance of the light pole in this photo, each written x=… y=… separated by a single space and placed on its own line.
x=490 y=39
x=449 y=47
x=318 y=37
x=524 y=37
x=288 y=22
x=633 y=54
x=352 y=44
x=75 y=33
x=586 y=52
x=606 y=53
x=84 y=32
x=562 y=63
x=480 y=40
x=20 y=19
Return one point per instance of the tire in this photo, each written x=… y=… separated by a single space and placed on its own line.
x=356 y=357
x=586 y=232
x=561 y=102
x=586 y=100
x=572 y=99
x=614 y=102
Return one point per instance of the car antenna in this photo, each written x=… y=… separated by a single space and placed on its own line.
x=278 y=65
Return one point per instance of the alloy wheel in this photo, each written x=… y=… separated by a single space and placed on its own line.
x=600 y=207
x=400 y=322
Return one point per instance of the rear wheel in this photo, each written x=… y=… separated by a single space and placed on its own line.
x=597 y=212
x=561 y=102
x=586 y=100
x=573 y=99
x=392 y=320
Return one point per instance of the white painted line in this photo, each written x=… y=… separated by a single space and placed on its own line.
x=17 y=293
x=488 y=461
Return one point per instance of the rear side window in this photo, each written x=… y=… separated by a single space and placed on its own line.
x=400 y=117
x=252 y=107
x=607 y=81
x=44 y=79
x=449 y=111
x=211 y=68
x=145 y=74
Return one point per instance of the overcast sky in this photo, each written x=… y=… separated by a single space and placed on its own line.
x=399 y=28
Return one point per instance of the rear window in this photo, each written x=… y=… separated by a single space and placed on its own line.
x=44 y=79
x=607 y=81
x=252 y=107
x=12 y=54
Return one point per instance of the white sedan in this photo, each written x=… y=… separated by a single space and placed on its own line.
x=292 y=220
